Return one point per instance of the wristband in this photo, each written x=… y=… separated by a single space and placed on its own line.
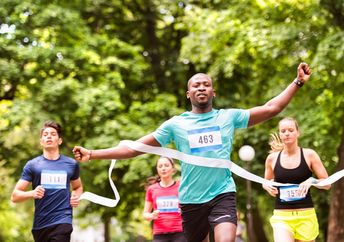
x=89 y=158
x=298 y=82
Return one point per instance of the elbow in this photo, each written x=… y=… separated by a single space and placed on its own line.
x=14 y=198
x=273 y=110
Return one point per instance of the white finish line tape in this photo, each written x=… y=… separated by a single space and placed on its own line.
x=103 y=200
x=194 y=160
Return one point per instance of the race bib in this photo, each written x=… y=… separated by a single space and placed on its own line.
x=205 y=139
x=290 y=193
x=168 y=204
x=54 y=179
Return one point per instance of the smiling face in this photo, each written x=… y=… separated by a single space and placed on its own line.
x=165 y=168
x=50 y=138
x=288 y=131
x=201 y=93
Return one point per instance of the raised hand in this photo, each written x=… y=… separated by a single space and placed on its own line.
x=81 y=154
x=303 y=72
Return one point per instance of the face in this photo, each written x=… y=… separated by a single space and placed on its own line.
x=164 y=168
x=200 y=91
x=288 y=131
x=50 y=138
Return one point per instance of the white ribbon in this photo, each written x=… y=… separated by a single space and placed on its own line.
x=193 y=160
x=104 y=200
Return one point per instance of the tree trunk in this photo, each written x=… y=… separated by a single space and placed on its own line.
x=106 y=222
x=258 y=226
x=336 y=217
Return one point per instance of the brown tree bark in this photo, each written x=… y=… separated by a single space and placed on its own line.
x=106 y=221
x=336 y=216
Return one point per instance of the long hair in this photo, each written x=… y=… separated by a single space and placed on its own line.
x=275 y=141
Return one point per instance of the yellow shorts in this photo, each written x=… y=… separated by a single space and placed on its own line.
x=303 y=224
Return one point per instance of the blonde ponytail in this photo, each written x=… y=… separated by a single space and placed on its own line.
x=275 y=143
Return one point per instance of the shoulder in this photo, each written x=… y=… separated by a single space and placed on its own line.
x=69 y=163
x=310 y=154
x=34 y=161
x=271 y=158
x=153 y=186
x=233 y=111
x=172 y=121
x=68 y=159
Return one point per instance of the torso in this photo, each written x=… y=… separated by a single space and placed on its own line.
x=293 y=169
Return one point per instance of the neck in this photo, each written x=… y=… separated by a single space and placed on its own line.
x=291 y=149
x=51 y=154
x=198 y=110
x=166 y=182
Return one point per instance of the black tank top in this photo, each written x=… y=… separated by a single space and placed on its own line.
x=295 y=176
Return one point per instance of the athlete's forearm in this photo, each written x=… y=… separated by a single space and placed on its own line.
x=118 y=152
x=21 y=196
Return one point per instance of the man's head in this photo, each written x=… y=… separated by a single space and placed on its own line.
x=51 y=135
x=200 y=91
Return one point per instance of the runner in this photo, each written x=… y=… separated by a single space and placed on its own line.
x=51 y=175
x=294 y=217
x=206 y=195
x=162 y=206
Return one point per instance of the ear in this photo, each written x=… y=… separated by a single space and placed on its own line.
x=60 y=141
x=187 y=94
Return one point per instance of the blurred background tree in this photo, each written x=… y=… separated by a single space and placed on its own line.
x=115 y=70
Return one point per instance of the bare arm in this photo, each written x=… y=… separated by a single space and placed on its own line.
x=318 y=168
x=77 y=190
x=147 y=212
x=277 y=104
x=269 y=175
x=119 y=152
x=20 y=194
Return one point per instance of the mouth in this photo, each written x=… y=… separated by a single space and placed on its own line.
x=201 y=95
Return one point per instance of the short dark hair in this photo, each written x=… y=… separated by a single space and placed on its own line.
x=54 y=125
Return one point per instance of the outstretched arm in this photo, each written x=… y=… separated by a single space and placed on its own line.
x=277 y=104
x=119 y=152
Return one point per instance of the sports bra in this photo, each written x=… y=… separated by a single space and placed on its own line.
x=286 y=198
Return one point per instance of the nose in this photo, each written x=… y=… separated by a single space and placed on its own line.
x=201 y=88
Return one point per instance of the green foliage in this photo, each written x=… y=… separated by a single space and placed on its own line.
x=115 y=70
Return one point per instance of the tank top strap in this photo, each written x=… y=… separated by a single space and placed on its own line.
x=278 y=161
x=303 y=161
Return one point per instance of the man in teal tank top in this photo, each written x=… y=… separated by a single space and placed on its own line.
x=207 y=195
